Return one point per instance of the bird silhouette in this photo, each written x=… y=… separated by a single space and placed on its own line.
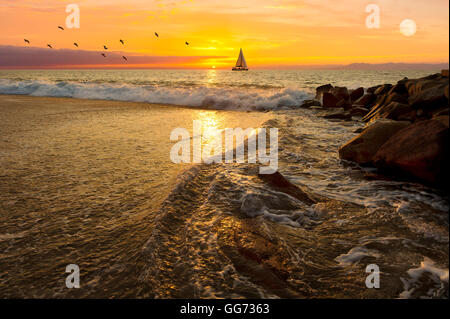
x=121 y=41
x=27 y=41
x=125 y=58
x=106 y=48
x=49 y=46
x=60 y=27
x=75 y=44
x=157 y=35
x=187 y=43
x=104 y=55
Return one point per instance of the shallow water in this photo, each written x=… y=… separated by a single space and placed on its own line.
x=240 y=237
x=91 y=183
x=81 y=182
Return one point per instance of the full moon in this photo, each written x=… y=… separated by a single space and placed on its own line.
x=408 y=27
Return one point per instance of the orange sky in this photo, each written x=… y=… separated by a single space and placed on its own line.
x=271 y=32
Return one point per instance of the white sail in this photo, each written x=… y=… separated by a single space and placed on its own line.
x=241 y=61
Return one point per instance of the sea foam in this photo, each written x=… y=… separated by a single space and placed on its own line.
x=195 y=96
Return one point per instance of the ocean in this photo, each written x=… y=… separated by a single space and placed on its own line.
x=86 y=178
x=215 y=89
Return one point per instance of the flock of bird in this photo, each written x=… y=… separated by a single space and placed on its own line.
x=104 y=46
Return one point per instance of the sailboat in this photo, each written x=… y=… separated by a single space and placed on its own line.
x=241 y=65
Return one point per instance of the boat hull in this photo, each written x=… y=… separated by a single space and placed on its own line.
x=239 y=69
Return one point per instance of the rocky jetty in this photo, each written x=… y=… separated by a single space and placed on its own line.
x=407 y=125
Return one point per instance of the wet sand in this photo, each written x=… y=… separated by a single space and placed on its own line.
x=80 y=182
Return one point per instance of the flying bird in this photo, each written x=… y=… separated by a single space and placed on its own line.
x=187 y=43
x=60 y=27
x=104 y=55
x=121 y=41
x=106 y=48
x=49 y=46
x=75 y=44
x=125 y=58
x=157 y=35
x=27 y=41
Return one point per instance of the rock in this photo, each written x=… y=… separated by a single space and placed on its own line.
x=444 y=73
x=337 y=114
x=363 y=147
x=372 y=89
x=383 y=89
x=429 y=94
x=310 y=103
x=345 y=104
x=365 y=101
x=359 y=111
x=396 y=97
x=399 y=88
x=391 y=111
x=341 y=93
x=322 y=89
x=441 y=111
x=279 y=182
x=383 y=106
x=356 y=94
x=419 y=150
x=409 y=116
x=329 y=100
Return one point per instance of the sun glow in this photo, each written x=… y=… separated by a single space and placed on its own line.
x=271 y=35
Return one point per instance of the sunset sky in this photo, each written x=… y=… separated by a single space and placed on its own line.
x=272 y=33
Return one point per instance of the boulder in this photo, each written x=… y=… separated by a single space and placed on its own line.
x=337 y=114
x=399 y=88
x=341 y=93
x=410 y=116
x=359 y=111
x=365 y=101
x=372 y=89
x=391 y=111
x=396 y=97
x=280 y=183
x=419 y=150
x=363 y=147
x=322 y=89
x=383 y=89
x=441 y=111
x=329 y=100
x=382 y=106
x=356 y=94
x=345 y=104
x=429 y=94
x=310 y=103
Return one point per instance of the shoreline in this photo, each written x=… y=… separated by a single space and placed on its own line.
x=159 y=105
x=90 y=179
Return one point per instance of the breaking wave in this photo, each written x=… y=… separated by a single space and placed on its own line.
x=195 y=96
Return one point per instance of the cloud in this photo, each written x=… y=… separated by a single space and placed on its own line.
x=33 y=57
